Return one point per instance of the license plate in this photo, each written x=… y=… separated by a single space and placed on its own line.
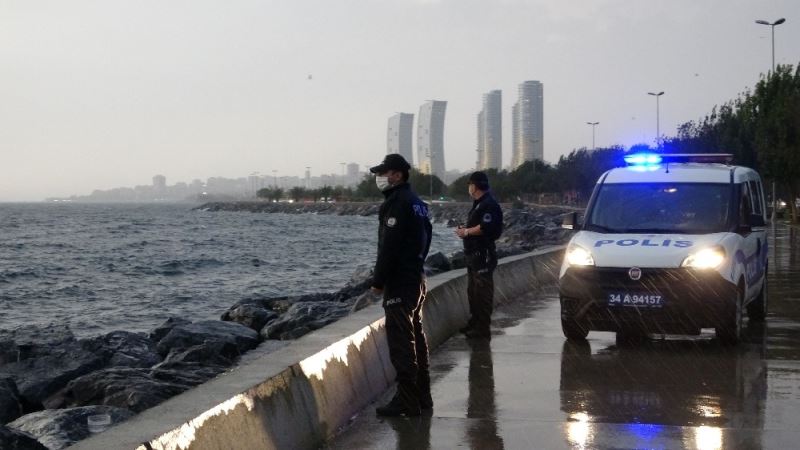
x=646 y=300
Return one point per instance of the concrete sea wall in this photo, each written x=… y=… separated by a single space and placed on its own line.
x=300 y=395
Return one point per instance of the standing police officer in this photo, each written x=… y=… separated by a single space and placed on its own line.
x=404 y=237
x=484 y=225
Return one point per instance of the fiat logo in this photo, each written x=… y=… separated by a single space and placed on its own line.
x=635 y=273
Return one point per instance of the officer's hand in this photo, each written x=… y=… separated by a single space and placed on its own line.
x=461 y=232
x=376 y=291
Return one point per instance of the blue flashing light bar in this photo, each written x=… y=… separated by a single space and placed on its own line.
x=643 y=159
x=648 y=160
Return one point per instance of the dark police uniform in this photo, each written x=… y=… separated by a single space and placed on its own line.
x=404 y=238
x=481 y=259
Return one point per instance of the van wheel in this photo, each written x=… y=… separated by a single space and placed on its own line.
x=729 y=331
x=757 y=309
x=573 y=329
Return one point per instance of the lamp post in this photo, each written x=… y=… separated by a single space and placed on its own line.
x=658 y=131
x=772 y=26
x=593 y=124
x=430 y=172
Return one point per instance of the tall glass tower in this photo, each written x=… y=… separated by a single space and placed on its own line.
x=398 y=135
x=430 y=138
x=528 y=127
x=490 y=132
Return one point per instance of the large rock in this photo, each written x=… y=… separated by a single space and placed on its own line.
x=308 y=315
x=209 y=331
x=60 y=428
x=130 y=388
x=438 y=262
x=158 y=333
x=38 y=378
x=249 y=315
x=31 y=341
x=214 y=354
x=10 y=405
x=124 y=349
x=11 y=439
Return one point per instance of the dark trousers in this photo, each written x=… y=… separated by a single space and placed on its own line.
x=480 y=289
x=408 y=348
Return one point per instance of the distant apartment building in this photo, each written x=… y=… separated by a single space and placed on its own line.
x=398 y=135
x=159 y=182
x=490 y=132
x=528 y=124
x=430 y=138
x=353 y=174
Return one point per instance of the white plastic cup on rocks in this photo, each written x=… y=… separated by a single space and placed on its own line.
x=98 y=422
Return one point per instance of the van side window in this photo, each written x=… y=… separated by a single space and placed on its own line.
x=755 y=197
x=745 y=207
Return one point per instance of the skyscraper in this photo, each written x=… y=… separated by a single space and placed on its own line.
x=528 y=126
x=430 y=138
x=490 y=132
x=398 y=135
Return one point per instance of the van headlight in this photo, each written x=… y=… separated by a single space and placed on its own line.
x=579 y=256
x=707 y=258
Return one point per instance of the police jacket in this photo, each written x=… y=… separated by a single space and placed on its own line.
x=404 y=237
x=485 y=212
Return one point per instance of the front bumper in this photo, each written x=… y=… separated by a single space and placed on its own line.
x=691 y=299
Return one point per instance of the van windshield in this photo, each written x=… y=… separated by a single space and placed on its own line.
x=690 y=208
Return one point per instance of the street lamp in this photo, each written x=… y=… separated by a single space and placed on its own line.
x=658 y=131
x=772 y=26
x=593 y=124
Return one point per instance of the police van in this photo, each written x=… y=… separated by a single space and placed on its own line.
x=669 y=244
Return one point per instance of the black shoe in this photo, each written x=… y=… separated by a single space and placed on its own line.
x=397 y=409
x=478 y=334
x=465 y=329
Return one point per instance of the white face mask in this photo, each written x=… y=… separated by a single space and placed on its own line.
x=382 y=183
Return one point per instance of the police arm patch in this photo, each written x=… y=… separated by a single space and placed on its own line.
x=391 y=222
x=487 y=217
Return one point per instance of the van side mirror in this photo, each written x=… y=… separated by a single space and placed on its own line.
x=570 y=221
x=757 y=220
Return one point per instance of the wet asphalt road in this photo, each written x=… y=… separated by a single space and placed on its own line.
x=530 y=389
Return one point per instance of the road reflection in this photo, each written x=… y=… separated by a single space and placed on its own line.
x=481 y=403
x=647 y=389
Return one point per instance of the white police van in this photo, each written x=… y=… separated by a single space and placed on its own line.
x=669 y=244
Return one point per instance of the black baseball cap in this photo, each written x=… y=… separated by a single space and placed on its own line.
x=392 y=161
x=479 y=179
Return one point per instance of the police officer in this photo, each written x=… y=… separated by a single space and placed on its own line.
x=404 y=237
x=484 y=225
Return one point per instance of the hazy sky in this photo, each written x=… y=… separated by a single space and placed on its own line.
x=102 y=94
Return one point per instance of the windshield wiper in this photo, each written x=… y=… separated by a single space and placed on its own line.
x=595 y=227
x=653 y=231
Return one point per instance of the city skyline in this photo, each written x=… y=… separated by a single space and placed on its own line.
x=98 y=95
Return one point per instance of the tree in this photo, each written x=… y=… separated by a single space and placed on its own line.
x=297 y=193
x=423 y=184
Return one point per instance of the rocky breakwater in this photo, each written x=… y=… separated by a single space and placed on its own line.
x=51 y=382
